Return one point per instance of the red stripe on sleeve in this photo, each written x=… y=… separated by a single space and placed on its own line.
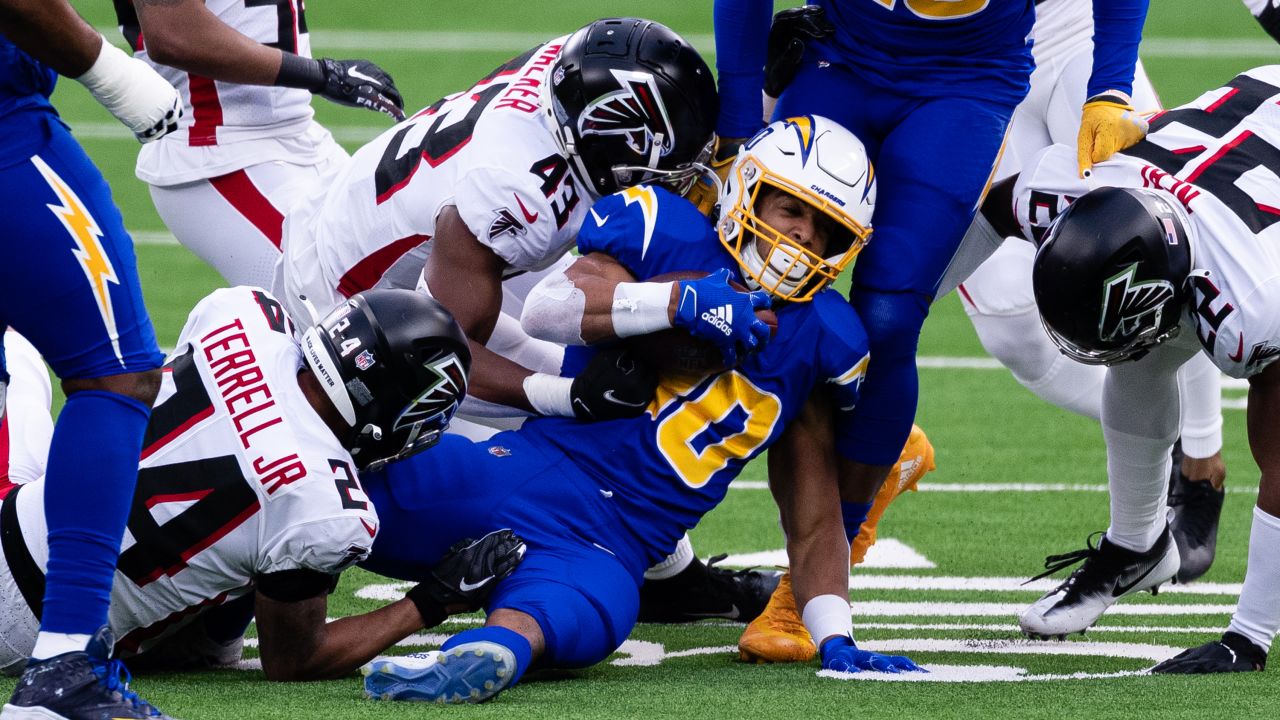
x=249 y=201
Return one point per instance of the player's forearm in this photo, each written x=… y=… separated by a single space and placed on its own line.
x=742 y=33
x=343 y=645
x=50 y=31
x=596 y=300
x=185 y=35
x=1117 y=29
x=496 y=379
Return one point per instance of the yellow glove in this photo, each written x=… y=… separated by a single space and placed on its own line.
x=705 y=193
x=1108 y=125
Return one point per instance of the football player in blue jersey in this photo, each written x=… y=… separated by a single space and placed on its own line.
x=598 y=503
x=68 y=283
x=929 y=88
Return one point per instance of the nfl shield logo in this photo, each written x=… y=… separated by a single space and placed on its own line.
x=364 y=360
x=499 y=451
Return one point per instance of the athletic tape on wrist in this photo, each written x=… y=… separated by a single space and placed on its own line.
x=641 y=308
x=110 y=68
x=549 y=394
x=826 y=616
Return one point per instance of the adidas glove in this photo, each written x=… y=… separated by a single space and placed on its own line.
x=842 y=655
x=134 y=93
x=712 y=309
x=787 y=36
x=354 y=83
x=464 y=577
x=1108 y=125
x=613 y=385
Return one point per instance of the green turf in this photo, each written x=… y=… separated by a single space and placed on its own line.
x=986 y=428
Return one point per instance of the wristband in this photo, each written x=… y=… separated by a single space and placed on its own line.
x=107 y=70
x=827 y=616
x=431 y=611
x=641 y=308
x=549 y=394
x=300 y=72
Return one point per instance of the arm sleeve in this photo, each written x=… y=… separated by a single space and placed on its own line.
x=1117 y=29
x=742 y=37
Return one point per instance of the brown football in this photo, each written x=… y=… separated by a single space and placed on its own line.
x=675 y=351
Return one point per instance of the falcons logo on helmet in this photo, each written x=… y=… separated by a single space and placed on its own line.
x=442 y=398
x=636 y=112
x=1126 y=303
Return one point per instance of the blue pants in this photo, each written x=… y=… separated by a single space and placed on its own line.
x=581 y=574
x=933 y=159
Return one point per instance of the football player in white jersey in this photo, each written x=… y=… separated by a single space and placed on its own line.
x=248 y=485
x=248 y=145
x=998 y=298
x=1170 y=250
x=1267 y=13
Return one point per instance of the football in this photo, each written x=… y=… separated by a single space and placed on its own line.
x=675 y=351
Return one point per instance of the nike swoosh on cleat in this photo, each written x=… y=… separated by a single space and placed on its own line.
x=1119 y=589
x=465 y=586
x=608 y=395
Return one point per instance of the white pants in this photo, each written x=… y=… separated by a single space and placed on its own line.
x=233 y=221
x=28 y=426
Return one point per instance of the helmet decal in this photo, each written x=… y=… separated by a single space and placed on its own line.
x=636 y=112
x=803 y=127
x=1126 y=303
x=442 y=397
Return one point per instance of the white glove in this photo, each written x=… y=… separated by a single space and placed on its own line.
x=135 y=93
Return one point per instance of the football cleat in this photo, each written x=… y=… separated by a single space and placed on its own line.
x=1194 y=509
x=1233 y=653
x=778 y=635
x=1109 y=573
x=703 y=591
x=469 y=673
x=915 y=461
x=84 y=685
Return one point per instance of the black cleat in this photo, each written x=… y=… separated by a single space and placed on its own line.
x=83 y=685
x=1233 y=653
x=703 y=591
x=1194 y=509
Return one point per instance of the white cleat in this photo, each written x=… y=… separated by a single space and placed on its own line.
x=1109 y=573
x=469 y=673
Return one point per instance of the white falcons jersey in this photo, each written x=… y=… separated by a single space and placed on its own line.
x=1218 y=160
x=489 y=151
x=239 y=476
x=227 y=126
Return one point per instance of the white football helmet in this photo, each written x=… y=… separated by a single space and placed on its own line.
x=822 y=164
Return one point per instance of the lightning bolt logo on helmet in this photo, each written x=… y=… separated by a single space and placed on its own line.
x=636 y=111
x=93 y=258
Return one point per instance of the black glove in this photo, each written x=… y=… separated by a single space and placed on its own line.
x=614 y=385
x=786 y=44
x=355 y=83
x=464 y=577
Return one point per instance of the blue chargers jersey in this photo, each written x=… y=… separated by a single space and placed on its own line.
x=967 y=47
x=671 y=465
x=25 y=87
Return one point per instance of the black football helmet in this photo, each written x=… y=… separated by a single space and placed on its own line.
x=1110 y=276
x=633 y=102
x=394 y=363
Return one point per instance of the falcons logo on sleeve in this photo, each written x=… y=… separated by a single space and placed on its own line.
x=1126 y=303
x=636 y=112
x=443 y=395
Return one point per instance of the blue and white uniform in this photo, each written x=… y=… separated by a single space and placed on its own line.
x=598 y=503
x=69 y=284
x=929 y=88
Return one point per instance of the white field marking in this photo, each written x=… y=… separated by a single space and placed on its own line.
x=642 y=653
x=1010 y=627
x=889 y=608
x=996 y=487
x=1020 y=646
x=971 y=674
x=83 y=130
x=886 y=553
x=458 y=41
x=860 y=581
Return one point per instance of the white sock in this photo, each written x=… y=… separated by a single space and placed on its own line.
x=678 y=560
x=1258 y=614
x=49 y=644
x=1138 y=479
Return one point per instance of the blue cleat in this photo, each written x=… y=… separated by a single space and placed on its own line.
x=84 y=685
x=469 y=673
